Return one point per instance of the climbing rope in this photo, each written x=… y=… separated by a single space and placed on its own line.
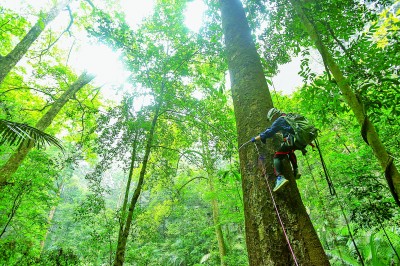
x=276 y=93
x=266 y=176
x=332 y=189
x=327 y=176
x=325 y=211
x=376 y=211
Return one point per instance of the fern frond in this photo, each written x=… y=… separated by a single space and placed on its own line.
x=14 y=134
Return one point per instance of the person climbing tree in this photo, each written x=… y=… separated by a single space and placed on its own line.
x=296 y=132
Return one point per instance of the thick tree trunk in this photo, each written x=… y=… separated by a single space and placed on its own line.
x=11 y=166
x=125 y=225
x=368 y=130
x=266 y=244
x=9 y=61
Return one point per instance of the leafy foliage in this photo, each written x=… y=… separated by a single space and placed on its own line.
x=15 y=133
x=193 y=161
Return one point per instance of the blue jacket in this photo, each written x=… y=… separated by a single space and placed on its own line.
x=279 y=124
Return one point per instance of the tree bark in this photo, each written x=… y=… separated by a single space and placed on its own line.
x=11 y=166
x=368 y=130
x=125 y=225
x=266 y=244
x=10 y=60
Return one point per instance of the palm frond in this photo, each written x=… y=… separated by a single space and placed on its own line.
x=14 y=133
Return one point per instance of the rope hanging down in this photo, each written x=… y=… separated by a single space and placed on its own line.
x=325 y=212
x=264 y=172
x=332 y=189
x=327 y=176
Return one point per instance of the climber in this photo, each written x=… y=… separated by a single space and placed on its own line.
x=297 y=133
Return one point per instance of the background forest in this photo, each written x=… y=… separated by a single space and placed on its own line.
x=148 y=172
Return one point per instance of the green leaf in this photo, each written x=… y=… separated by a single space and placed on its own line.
x=14 y=133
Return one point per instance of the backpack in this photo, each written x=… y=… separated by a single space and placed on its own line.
x=305 y=132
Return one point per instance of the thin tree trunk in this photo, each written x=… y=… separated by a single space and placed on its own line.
x=122 y=220
x=128 y=184
x=266 y=244
x=10 y=60
x=16 y=159
x=217 y=224
x=50 y=218
x=368 y=130
x=126 y=225
x=16 y=203
x=208 y=163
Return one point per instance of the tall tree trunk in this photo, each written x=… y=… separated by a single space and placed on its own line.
x=368 y=130
x=16 y=159
x=266 y=244
x=10 y=60
x=125 y=225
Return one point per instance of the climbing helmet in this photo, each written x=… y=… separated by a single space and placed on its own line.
x=272 y=112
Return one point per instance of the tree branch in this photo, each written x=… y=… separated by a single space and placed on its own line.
x=91 y=4
x=59 y=37
x=28 y=88
x=194 y=178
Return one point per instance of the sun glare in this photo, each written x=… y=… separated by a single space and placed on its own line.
x=194 y=15
x=105 y=64
x=136 y=10
x=101 y=61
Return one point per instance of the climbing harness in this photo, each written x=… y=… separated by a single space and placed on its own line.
x=266 y=176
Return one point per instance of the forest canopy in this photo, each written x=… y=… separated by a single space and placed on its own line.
x=126 y=127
